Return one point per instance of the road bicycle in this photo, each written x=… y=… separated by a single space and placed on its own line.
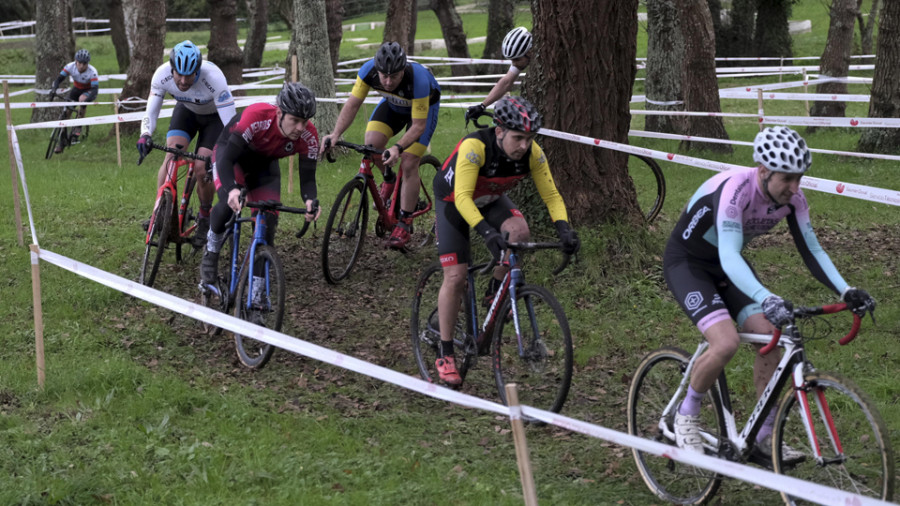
x=525 y=332
x=171 y=222
x=253 y=284
x=345 y=230
x=62 y=136
x=650 y=197
x=824 y=416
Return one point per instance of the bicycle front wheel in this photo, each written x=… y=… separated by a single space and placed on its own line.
x=426 y=226
x=856 y=457
x=345 y=231
x=54 y=139
x=220 y=301
x=157 y=238
x=543 y=368
x=265 y=308
x=650 y=188
x=651 y=415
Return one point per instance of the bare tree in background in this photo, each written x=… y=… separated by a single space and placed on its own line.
x=885 y=101
x=413 y=23
x=54 y=47
x=773 y=36
x=665 y=52
x=117 y=33
x=223 y=47
x=258 y=11
x=501 y=14
x=334 y=12
x=586 y=91
x=454 y=36
x=867 y=27
x=836 y=58
x=310 y=37
x=700 y=85
x=398 y=23
x=148 y=38
x=734 y=31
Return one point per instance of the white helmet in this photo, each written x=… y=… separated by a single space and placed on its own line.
x=781 y=149
x=516 y=43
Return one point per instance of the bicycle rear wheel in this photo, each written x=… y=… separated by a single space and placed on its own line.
x=187 y=221
x=652 y=391
x=425 y=227
x=345 y=231
x=157 y=238
x=267 y=311
x=865 y=465
x=54 y=139
x=651 y=192
x=544 y=370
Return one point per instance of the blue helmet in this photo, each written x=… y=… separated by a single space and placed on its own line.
x=185 y=58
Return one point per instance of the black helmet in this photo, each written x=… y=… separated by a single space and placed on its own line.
x=297 y=100
x=516 y=113
x=390 y=58
x=82 y=56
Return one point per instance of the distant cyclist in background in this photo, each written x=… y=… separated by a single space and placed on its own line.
x=470 y=192
x=516 y=47
x=85 y=86
x=204 y=106
x=716 y=287
x=246 y=156
x=411 y=100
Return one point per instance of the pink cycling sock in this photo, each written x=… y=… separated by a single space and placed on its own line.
x=691 y=403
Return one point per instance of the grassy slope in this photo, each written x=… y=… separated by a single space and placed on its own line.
x=139 y=408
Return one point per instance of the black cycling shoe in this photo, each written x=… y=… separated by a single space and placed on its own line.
x=209 y=268
x=199 y=238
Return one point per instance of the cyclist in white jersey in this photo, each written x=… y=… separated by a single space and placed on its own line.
x=85 y=85
x=516 y=47
x=204 y=107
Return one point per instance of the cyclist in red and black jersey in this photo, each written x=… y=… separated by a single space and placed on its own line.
x=246 y=155
x=470 y=191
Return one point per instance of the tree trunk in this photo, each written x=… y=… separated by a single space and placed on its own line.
x=773 y=36
x=593 y=181
x=334 y=12
x=397 y=23
x=147 y=52
x=701 y=87
x=117 y=32
x=313 y=61
x=53 y=48
x=885 y=101
x=665 y=52
x=734 y=35
x=285 y=10
x=258 y=13
x=866 y=34
x=500 y=21
x=454 y=36
x=836 y=58
x=223 y=47
x=413 y=22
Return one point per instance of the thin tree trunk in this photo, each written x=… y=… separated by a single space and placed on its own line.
x=413 y=23
x=665 y=52
x=501 y=14
x=454 y=36
x=734 y=35
x=147 y=52
x=594 y=182
x=836 y=58
x=117 y=32
x=224 y=50
x=885 y=101
x=701 y=87
x=334 y=12
x=313 y=61
x=258 y=11
x=773 y=36
x=53 y=48
x=866 y=36
x=397 y=23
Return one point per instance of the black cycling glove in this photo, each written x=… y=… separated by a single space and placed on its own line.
x=568 y=237
x=492 y=239
x=472 y=113
x=859 y=301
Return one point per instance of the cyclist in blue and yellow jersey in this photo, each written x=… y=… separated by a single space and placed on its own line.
x=716 y=286
x=204 y=106
x=411 y=100
x=85 y=85
x=470 y=192
x=516 y=47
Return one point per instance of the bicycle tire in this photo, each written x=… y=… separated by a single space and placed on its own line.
x=653 y=387
x=252 y=353
x=157 y=239
x=54 y=139
x=546 y=367
x=868 y=461
x=345 y=231
x=429 y=165
x=186 y=221
x=425 y=330
x=219 y=302
x=650 y=203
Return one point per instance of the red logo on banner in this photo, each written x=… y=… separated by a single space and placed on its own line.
x=748 y=89
x=33 y=104
x=834 y=97
x=670 y=156
x=771 y=95
x=120 y=118
x=840 y=188
x=597 y=141
x=854 y=122
x=760 y=120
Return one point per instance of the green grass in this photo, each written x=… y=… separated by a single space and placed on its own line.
x=139 y=408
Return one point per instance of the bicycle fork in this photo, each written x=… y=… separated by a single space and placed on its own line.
x=801 y=389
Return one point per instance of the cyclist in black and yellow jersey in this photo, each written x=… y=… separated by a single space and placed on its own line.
x=470 y=191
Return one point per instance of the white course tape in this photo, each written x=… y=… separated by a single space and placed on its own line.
x=21 y=168
x=798 y=488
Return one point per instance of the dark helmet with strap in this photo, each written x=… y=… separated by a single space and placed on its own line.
x=83 y=56
x=390 y=58
x=516 y=113
x=297 y=100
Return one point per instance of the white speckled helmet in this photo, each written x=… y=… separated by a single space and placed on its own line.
x=781 y=149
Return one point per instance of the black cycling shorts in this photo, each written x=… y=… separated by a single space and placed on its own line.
x=186 y=123
x=453 y=230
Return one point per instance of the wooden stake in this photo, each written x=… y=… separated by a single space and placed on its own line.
x=12 y=163
x=38 y=314
x=291 y=158
x=518 y=428
x=762 y=111
x=806 y=90
x=118 y=135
